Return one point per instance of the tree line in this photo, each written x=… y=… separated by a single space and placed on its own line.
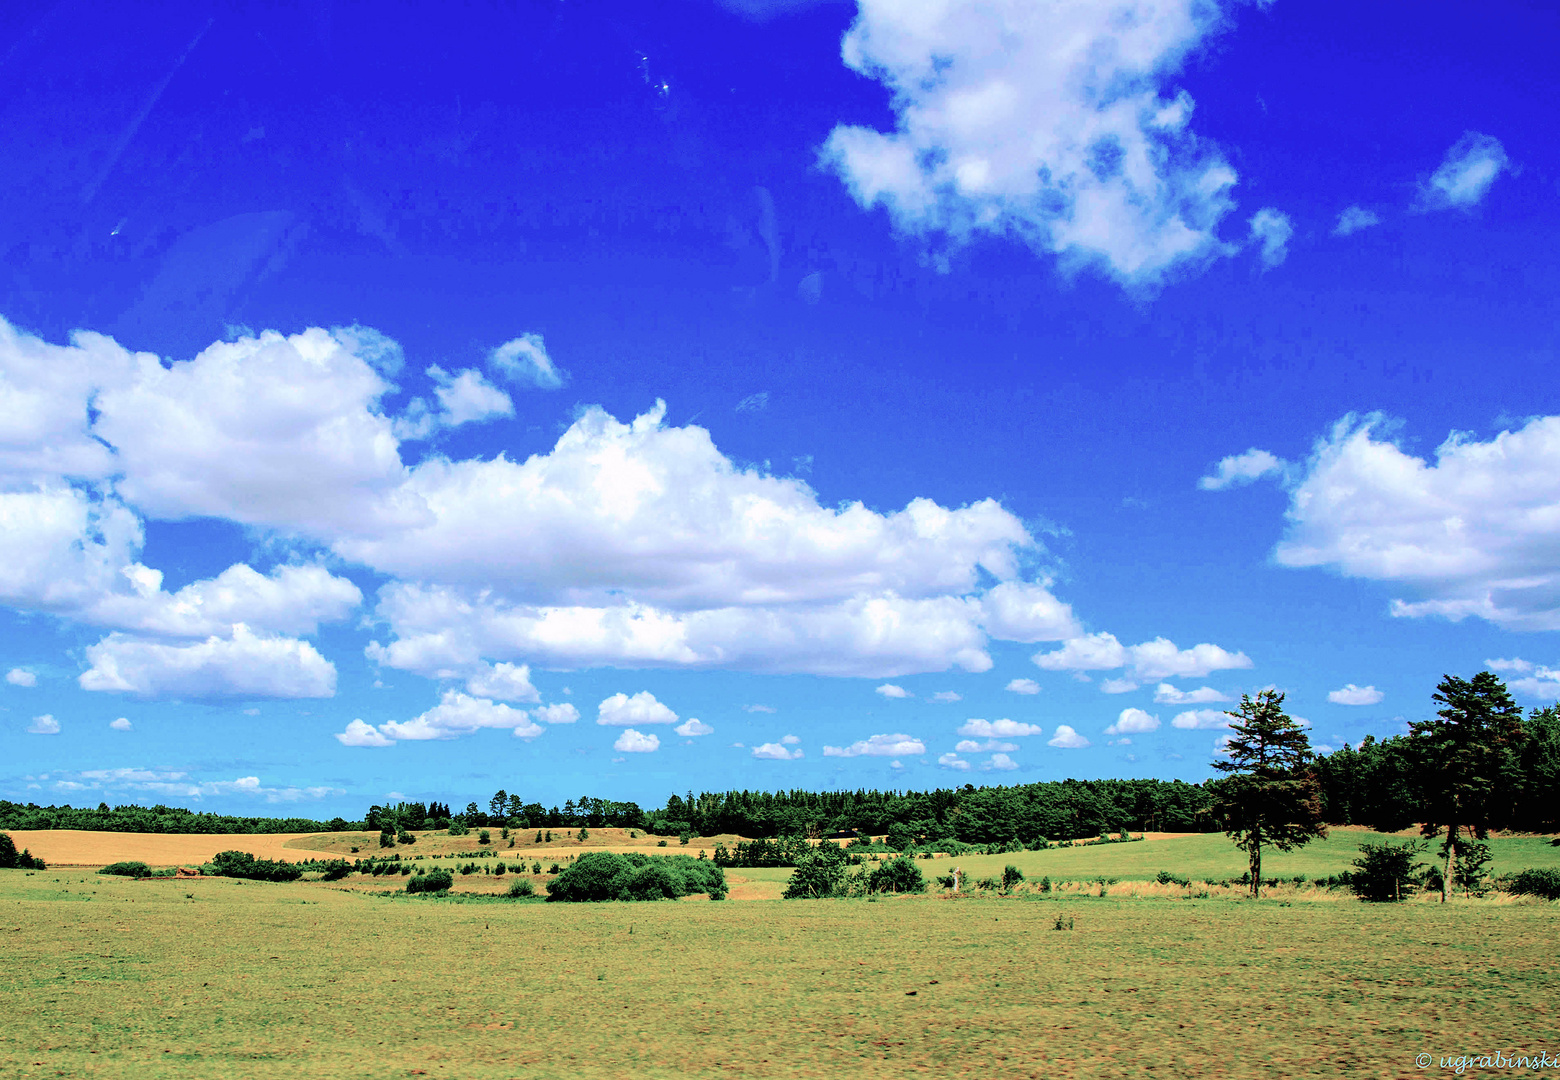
x=1386 y=784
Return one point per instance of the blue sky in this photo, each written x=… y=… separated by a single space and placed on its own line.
x=628 y=398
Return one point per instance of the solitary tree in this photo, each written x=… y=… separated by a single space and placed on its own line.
x=1268 y=796
x=1463 y=757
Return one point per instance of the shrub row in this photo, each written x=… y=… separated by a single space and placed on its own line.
x=602 y=875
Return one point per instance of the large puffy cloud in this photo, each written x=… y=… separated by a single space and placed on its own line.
x=1133 y=722
x=442 y=630
x=273 y=431
x=506 y=682
x=1050 y=121
x=620 y=710
x=459 y=714
x=636 y=742
x=247 y=664
x=1475 y=532
x=660 y=512
x=878 y=746
x=1201 y=720
x=636 y=544
x=1156 y=659
x=1067 y=739
x=773 y=751
x=1350 y=694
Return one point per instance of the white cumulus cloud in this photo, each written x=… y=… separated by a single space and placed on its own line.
x=692 y=727
x=1067 y=739
x=467 y=397
x=459 y=714
x=620 y=710
x=1133 y=722
x=505 y=682
x=1166 y=694
x=21 y=677
x=998 y=729
x=1200 y=720
x=889 y=690
x=953 y=761
x=245 y=665
x=1238 y=469
x=636 y=742
x=1022 y=686
x=43 y=725
x=1465 y=174
x=524 y=360
x=359 y=733
x=773 y=751
x=1154 y=659
x=121 y=724
x=563 y=713
x=970 y=746
x=1355 y=695
x=1053 y=122
x=1474 y=532
x=879 y=746
x=947 y=697
x=999 y=763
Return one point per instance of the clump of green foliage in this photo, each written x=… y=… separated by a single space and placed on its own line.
x=129 y=868
x=1165 y=877
x=241 y=864
x=434 y=881
x=457 y=828
x=521 y=888
x=605 y=875
x=899 y=875
x=1543 y=882
x=1011 y=876
x=484 y=837
x=1388 y=871
x=819 y=872
x=336 y=870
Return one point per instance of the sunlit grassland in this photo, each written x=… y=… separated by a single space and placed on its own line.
x=220 y=978
x=1213 y=856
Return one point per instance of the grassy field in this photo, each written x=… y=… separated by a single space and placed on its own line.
x=1211 y=855
x=219 y=978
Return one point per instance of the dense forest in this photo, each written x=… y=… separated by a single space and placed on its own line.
x=1377 y=783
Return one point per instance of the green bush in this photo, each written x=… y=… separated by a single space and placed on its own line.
x=819 y=872
x=602 y=875
x=434 y=881
x=1543 y=882
x=336 y=870
x=660 y=843
x=404 y=837
x=484 y=837
x=899 y=875
x=127 y=869
x=1012 y=845
x=241 y=864
x=521 y=887
x=458 y=828
x=1011 y=876
x=387 y=839
x=11 y=859
x=1387 y=871
x=1165 y=877
x=498 y=870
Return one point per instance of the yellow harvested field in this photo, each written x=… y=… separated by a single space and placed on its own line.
x=79 y=847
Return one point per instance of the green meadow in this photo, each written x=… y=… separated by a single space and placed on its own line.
x=220 y=978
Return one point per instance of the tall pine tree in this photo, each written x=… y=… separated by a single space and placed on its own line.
x=1466 y=763
x=1268 y=795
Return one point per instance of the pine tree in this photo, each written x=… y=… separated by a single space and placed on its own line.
x=1464 y=759
x=1268 y=796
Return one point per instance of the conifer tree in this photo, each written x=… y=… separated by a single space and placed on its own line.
x=1268 y=796
x=1465 y=758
